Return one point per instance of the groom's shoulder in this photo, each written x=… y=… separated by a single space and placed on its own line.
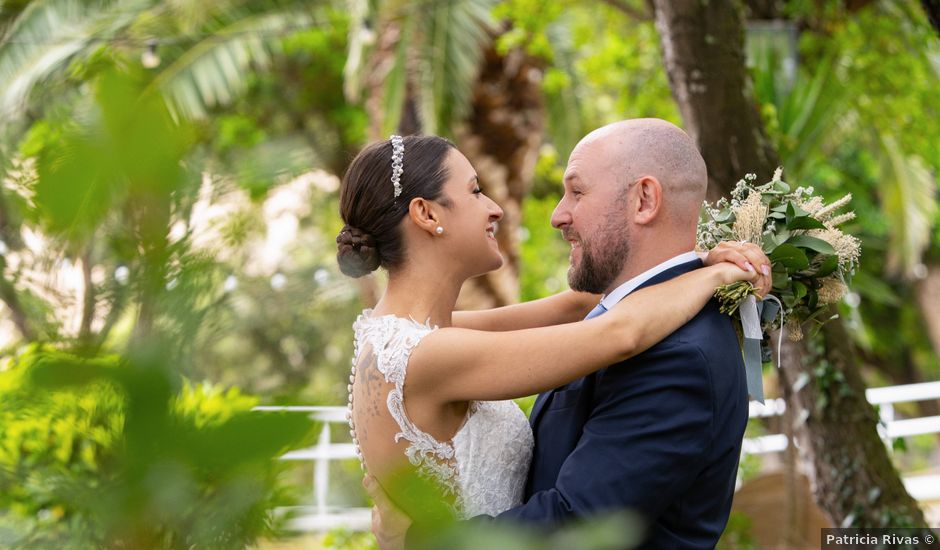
x=708 y=338
x=708 y=328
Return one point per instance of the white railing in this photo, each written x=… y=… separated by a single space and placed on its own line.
x=321 y=517
x=924 y=487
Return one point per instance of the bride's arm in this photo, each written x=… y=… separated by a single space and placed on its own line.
x=570 y=306
x=564 y=307
x=457 y=364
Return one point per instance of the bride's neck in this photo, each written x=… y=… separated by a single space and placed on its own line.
x=421 y=296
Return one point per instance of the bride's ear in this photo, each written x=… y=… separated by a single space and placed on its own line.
x=424 y=214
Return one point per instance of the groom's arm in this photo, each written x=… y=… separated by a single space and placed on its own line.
x=643 y=444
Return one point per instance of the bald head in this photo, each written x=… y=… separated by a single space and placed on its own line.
x=653 y=147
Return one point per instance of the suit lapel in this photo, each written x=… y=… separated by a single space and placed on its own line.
x=539 y=405
x=544 y=398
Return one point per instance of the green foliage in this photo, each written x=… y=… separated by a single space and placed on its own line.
x=738 y=533
x=608 y=531
x=861 y=117
x=344 y=539
x=133 y=147
x=101 y=451
x=544 y=261
x=601 y=65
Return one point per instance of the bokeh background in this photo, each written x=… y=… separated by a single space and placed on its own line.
x=168 y=211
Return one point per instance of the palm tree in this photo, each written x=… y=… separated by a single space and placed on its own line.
x=436 y=68
x=208 y=51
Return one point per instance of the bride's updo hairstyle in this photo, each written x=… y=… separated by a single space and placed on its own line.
x=372 y=213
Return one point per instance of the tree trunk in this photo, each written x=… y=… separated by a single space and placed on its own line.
x=703 y=51
x=932 y=8
x=928 y=296
x=501 y=138
x=11 y=300
x=852 y=475
x=88 y=296
x=11 y=239
x=855 y=481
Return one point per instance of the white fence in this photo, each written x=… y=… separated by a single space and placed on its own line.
x=320 y=516
x=924 y=487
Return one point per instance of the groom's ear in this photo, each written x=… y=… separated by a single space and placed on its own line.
x=424 y=214
x=649 y=200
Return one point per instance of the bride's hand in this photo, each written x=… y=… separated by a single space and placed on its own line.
x=389 y=524
x=727 y=273
x=749 y=258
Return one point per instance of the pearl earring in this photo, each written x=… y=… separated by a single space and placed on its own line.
x=439 y=230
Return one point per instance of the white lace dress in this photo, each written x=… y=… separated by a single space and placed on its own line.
x=486 y=464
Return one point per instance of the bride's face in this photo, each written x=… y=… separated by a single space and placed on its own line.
x=470 y=223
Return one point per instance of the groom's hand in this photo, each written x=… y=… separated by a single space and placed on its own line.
x=389 y=524
x=748 y=257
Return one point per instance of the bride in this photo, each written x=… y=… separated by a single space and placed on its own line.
x=429 y=389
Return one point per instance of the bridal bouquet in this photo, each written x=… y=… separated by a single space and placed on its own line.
x=812 y=258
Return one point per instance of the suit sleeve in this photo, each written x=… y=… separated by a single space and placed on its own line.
x=643 y=444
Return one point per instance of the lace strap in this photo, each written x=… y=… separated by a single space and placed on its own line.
x=392 y=340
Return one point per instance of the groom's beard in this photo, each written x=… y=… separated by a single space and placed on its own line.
x=600 y=267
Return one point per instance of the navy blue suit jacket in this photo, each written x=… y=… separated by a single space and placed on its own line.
x=659 y=434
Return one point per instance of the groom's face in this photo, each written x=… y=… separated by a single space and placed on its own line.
x=592 y=216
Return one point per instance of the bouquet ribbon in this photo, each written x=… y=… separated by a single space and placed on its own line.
x=753 y=315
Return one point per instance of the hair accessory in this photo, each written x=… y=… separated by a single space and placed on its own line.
x=398 y=155
x=439 y=230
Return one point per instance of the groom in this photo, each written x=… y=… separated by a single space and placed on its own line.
x=661 y=432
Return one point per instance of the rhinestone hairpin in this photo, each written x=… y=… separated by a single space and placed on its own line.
x=398 y=155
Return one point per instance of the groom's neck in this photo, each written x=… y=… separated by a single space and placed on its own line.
x=646 y=256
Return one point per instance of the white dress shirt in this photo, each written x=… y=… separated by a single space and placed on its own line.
x=619 y=293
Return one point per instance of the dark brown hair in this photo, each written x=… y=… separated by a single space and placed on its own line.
x=367 y=203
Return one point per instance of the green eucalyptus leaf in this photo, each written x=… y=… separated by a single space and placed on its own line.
x=725 y=216
x=781 y=279
x=790 y=256
x=769 y=243
x=812 y=243
x=799 y=289
x=828 y=266
x=805 y=222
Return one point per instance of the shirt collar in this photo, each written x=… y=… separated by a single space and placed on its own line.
x=619 y=293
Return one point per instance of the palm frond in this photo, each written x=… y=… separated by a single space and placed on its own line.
x=808 y=110
x=46 y=36
x=453 y=39
x=562 y=92
x=214 y=71
x=908 y=193
x=435 y=55
x=361 y=40
x=395 y=83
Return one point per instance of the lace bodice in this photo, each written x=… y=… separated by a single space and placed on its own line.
x=486 y=464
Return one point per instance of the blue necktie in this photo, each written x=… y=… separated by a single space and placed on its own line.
x=599 y=309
